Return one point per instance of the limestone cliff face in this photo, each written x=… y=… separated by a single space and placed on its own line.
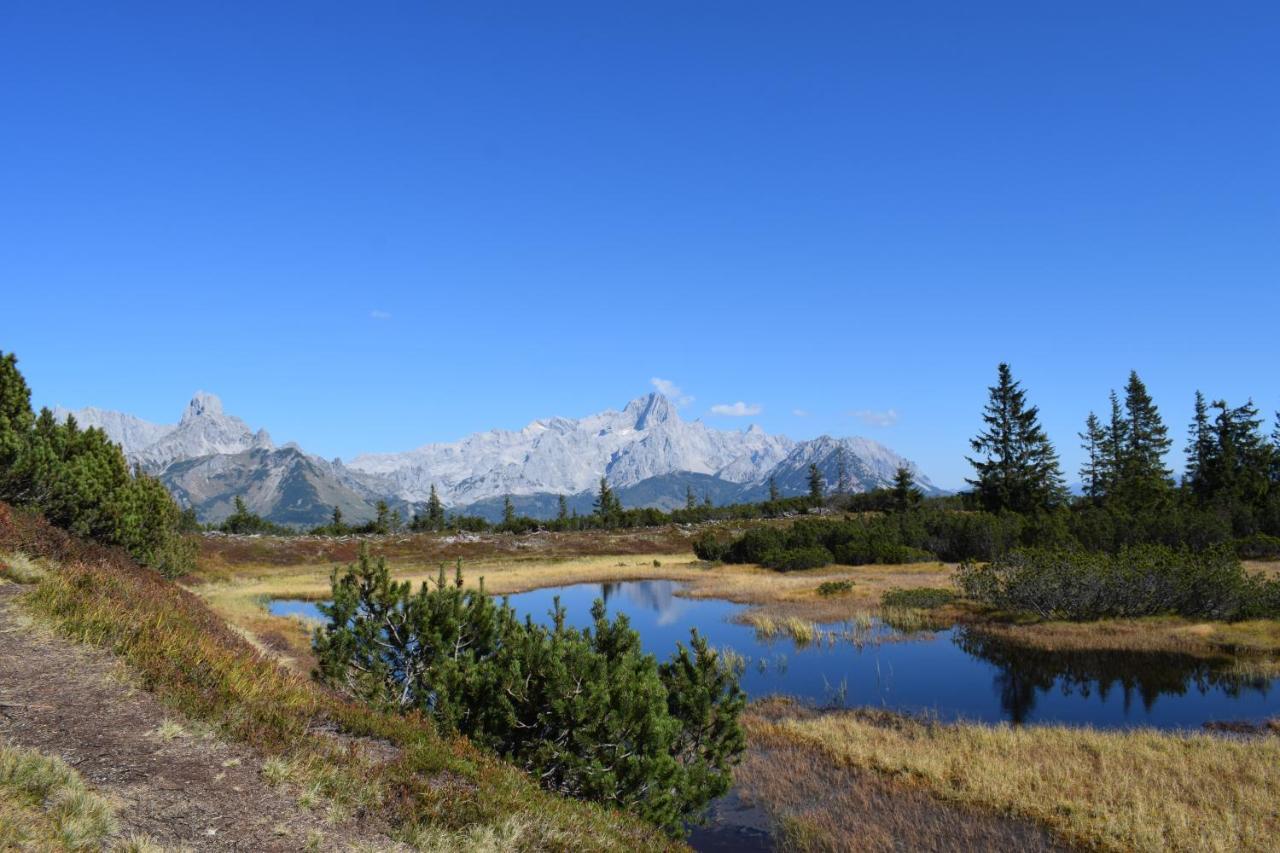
x=645 y=450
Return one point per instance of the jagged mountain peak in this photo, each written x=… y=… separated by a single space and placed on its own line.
x=650 y=410
x=203 y=404
x=646 y=450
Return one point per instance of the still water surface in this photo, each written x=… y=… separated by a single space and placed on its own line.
x=950 y=674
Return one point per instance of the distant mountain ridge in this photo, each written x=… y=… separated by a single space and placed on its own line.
x=649 y=454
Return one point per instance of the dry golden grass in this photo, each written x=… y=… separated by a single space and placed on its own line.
x=1133 y=790
x=1254 y=645
x=819 y=805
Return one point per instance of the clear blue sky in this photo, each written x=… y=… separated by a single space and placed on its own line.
x=368 y=226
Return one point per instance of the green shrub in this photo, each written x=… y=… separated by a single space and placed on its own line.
x=709 y=547
x=587 y=712
x=830 y=588
x=1140 y=581
x=796 y=559
x=922 y=598
x=1259 y=546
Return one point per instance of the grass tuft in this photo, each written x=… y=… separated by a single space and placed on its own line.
x=20 y=568
x=44 y=804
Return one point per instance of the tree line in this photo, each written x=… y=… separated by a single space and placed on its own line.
x=79 y=480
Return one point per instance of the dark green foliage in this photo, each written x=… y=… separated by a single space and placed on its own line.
x=16 y=423
x=830 y=588
x=435 y=509
x=586 y=712
x=811 y=543
x=607 y=507
x=1259 y=546
x=1093 y=471
x=1146 y=580
x=1143 y=479
x=1019 y=469
x=905 y=495
x=817 y=486
x=922 y=598
x=709 y=547
x=796 y=559
x=80 y=481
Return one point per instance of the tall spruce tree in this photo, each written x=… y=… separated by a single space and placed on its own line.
x=905 y=495
x=817 y=485
x=773 y=486
x=1113 y=445
x=1200 y=449
x=435 y=509
x=606 y=504
x=1018 y=467
x=1142 y=480
x=562 y=508
x=508 y=511
x=1092 y=470
x=690 y=499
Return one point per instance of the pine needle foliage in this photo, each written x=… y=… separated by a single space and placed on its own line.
x=584 y=711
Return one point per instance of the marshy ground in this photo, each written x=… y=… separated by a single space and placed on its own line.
x=851 y=780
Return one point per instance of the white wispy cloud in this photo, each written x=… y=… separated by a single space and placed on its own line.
x=671 y=391
x=737 y=410
x=877 y=417
x=378 y=314
x=800 y=413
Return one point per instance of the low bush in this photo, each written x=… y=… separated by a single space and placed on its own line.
x=586 y=712
x=1259 y=546
x=922 y=598
x=830 y=588
x=709 y=547
x=797 y=559
x=1144 y=580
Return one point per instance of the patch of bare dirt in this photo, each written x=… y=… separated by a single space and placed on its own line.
x=180 y=786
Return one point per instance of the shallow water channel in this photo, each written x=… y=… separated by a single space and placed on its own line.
x=950 y=674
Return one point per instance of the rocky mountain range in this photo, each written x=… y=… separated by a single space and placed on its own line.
x=650 y=455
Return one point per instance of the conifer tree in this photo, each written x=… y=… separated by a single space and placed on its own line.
x=1241 y=457
x=382 y=519
x=1143 y=480
x=335 y=520
x=435 y=509
x=1019 y=468
x=562 y=508
x=690 y=500
x=1113 y=448
x=16 y=424
x=817 y=486
x=1199 y=449
x=508 y=511
x=773 y=488
x=606 y=504
x=1092 y=440
x=905 y=495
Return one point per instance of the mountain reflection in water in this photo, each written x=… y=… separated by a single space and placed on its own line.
x=957 y=673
